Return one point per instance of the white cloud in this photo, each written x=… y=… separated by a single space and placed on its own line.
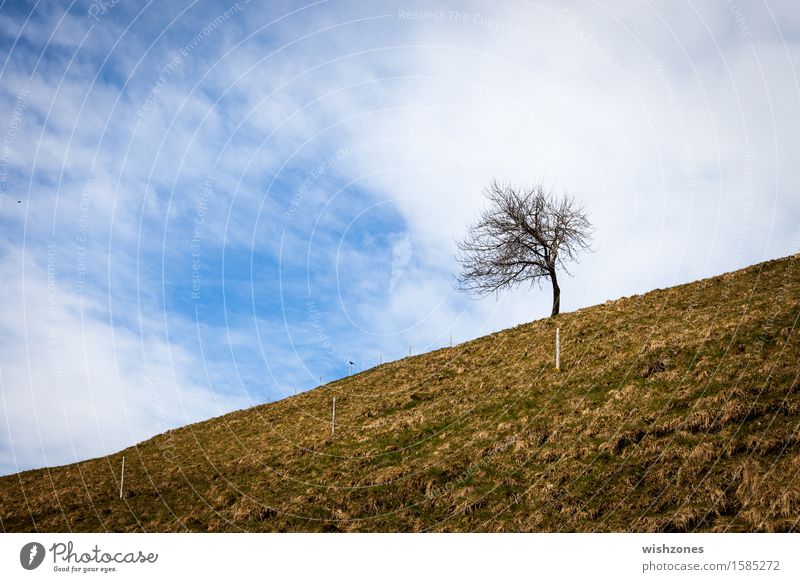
x=74 y=384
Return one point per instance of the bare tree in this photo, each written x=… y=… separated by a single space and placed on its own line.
x=525 y=234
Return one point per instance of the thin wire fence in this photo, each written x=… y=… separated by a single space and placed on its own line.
x=382 y=359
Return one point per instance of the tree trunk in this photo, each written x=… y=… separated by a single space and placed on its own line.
x=556 y=293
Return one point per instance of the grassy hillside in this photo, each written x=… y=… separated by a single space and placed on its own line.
x=678 y=410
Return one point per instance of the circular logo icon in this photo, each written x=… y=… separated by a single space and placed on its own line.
x=31 y=555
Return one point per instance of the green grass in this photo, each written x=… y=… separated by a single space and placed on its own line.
x=677 y=410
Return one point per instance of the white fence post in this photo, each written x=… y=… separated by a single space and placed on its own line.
x=333 y=418
x=558 y=348
x=122 y=477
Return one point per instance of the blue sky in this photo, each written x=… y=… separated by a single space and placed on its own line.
x=220 y=202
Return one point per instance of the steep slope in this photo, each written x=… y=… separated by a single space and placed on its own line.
x=678 y=410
